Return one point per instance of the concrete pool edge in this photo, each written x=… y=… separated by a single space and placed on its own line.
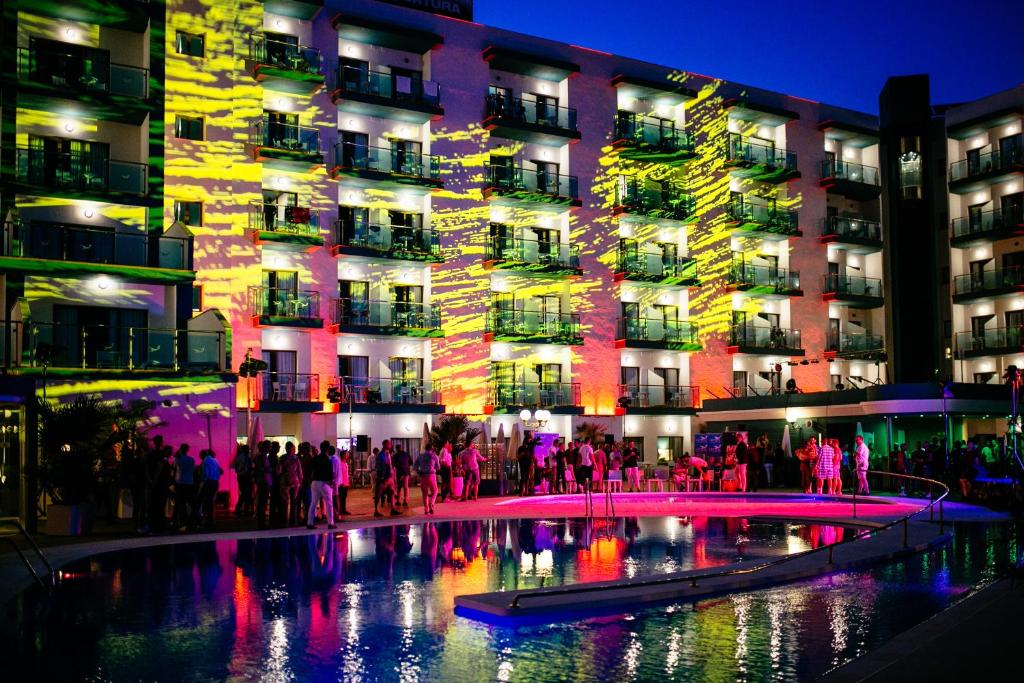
x=627 y=595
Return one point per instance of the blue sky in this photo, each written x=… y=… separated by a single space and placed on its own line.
x=838 y=52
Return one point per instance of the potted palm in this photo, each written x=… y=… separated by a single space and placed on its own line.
x=453 y=429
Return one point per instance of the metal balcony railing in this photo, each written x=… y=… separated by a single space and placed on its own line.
x=388 y=390
x=855 y=228
x=518 y=179
x=288 y=387
x=768 y=214
x=996 y=160
x=287 y=137
x=397 y=241
x=530 y=111
x=80 y=171
x=780 y=279
x=847 y=170
x=288 y=220
x=563 y=327
x=81 y=74
x=397 y=88
x=533 y=251
x=534 y=394
x=646 y=197
x=746 y=150
x=281 y=55
x=988 y=221
x=645 y=264
x=657 y=396
x=394 y=161
x=852 y=285
x=393 y=314
x=993 y=339
x=59 y=242
x=656 y=330
x=855 y=342
x=764 y=337
x=995 y=280
x=284 y=302
x=646 y=130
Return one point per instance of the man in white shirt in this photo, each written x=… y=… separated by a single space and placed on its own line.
x=586 y=465
x=860 y=463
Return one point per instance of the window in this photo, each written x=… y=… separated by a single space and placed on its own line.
x=189 y=213
x=197 y=298
x=189 y=44
x=188 y=127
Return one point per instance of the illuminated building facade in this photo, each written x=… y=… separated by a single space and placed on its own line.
x=416 y=214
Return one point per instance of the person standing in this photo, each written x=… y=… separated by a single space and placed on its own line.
x=242 y=465
x=212 y=472
x=631 y=463
x=445 y=458
x=264 y=482
x=162 y=475
x=600 y=466
x=742 y=460
x=306 y=460
x=427 y=464
x=526 y=470
x=184 y=495
x=585 y=468
x=860 y=464
x=275 y=482
x=290 y=468
x=141 y=486
x=402 y=463
x=835 y=485
x=559 y=483
x=823 y=466
x=768 y=463
x=322 y=487
x=384 y=493
x=471 y=459
x=343 y=482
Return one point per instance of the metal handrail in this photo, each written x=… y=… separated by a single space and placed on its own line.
x=736 y=571
x=51 y=573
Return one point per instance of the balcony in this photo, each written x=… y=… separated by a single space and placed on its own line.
x=389 y=395
x=653 y=200
x=765 y=219
x=657 y=141
x=531 y=256
x=857 y=235
x=529 y=120
x=111 y=349
x=510 y=397
x=656 y=399
x=531 y=185
x=286 y=145
x=385 y=95
x=987 y=226
x=284 y=66
x=969 y=175
x=656 y=269
x=991 y=342
x=87 y=175
x=533 y=327
x=853 y=181
x=764 y=280
x=855 y=345
x=393 y=165
x=759 y=160
x=297 y=226
x=988 y=284
x=853 y=291
x=284 y=307
x=656 y=333
x=287 y=392
x=765 y=340
x=398 y=242
x=78 y=251
x=388 y=318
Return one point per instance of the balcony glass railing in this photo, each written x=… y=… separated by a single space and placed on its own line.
x=656 y=396
x=287 y=137
x=538 y=394
x=397 y=241
x=855 y=342
x=395 y=314
x=656 y=330
x=641 y=264
x=846 y=170
x=525 y=250
x=641 y=197
x=289 y=387
x=58 y=242
x=1000 y=279
x=82 y=74
x=96 y=347
x=393 y=161
x=399 y=89
x=281 y=55
x=852 y=285
x=526 y=323
x=764 y=337
x=996 y=160
x=647 y=130
x=530 y=111
x=518 y=179
x=287 y=220
x=780 y=279
x=388 y=390
x=283 y=302
x=993 y=339
x=988 y=221
x=769 y=215
x=854 y=228
x=747 y=150
x=81 y=171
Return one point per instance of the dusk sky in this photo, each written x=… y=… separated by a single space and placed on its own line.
x=835 y=52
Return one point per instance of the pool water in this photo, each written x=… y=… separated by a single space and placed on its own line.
x=377 y=604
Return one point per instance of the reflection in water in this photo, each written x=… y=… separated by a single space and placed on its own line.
x=376 y=604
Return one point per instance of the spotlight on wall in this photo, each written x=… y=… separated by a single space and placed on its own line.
x=88 y=213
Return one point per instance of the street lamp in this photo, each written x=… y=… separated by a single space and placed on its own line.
x=540 y=417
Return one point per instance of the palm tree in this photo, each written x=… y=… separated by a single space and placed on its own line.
x=593 y=431
x=452 y=429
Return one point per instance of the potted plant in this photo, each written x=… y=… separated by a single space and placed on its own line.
x=453 y=429
x=458 y=476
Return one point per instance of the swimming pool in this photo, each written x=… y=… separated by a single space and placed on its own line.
x=376 y=604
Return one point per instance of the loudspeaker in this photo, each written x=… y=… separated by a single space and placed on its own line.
x=362 y=443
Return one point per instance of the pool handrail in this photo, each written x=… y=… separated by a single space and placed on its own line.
x=736 y=571
x=51 y=574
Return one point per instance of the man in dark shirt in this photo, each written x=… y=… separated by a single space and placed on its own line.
x=742 y=458
x=402 y=462
x=322 y=487
x=631 y=463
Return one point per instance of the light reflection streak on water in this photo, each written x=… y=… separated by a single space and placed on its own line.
x=837 y=606
x=350 y=655
x=741 y=607
x=632 y=654
x=409 y=663
x=673 y=651
x=277 y=652
x=776 y=610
